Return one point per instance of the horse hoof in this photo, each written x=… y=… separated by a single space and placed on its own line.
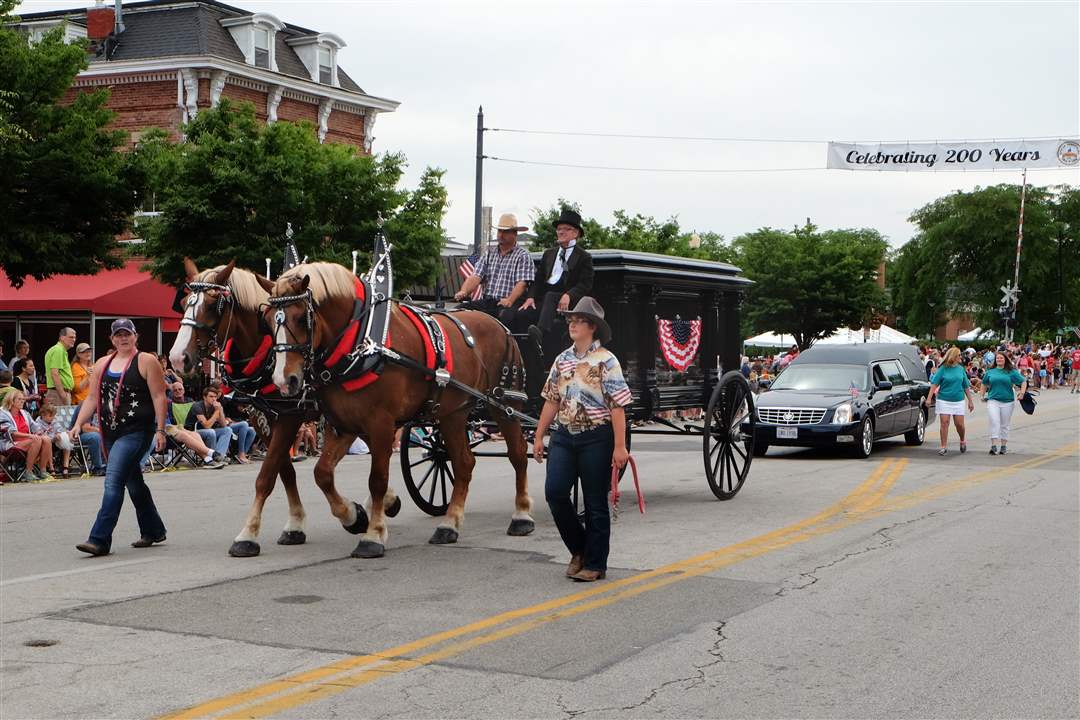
x=368 y=549
x=292 y=537
x=395 y=508
x=520 y=526
x=444 y=536
x=244 y=548
x=360 y=524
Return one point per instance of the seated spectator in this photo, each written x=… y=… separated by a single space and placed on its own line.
x=306 y=437
x=5 y=384
x=176 y=392
x=38 y=448
x=3 y=365
x=170 y=374
x=47 y=424
x=189 y=439
x=80 y=373
x=22 y=351
x=208 y=418
x=25 y=379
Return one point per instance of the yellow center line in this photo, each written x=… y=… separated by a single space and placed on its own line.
x=866 y=501
x=853 y=502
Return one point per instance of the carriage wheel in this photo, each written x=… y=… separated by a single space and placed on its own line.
x=727 y=449
x=425 y=466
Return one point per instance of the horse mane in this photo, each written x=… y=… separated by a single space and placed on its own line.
x=328 y=280
x=245 y=287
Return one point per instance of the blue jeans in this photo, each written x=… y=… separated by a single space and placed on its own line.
x=123 y=471
x=217 y=439
x=587 y=456
x=245 y=435
x=92 y=444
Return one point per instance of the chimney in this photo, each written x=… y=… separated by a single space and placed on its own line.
x=100 y=22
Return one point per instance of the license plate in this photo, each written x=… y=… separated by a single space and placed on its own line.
x=787 y=433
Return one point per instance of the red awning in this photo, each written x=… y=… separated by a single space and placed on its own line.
x=127 y=292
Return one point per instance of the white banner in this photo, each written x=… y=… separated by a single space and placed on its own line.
x=929 y=156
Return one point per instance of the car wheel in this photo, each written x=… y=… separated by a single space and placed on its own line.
x=915 y=435
x=760 y=448
x=866 y=439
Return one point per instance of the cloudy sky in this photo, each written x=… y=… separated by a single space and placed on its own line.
x=805 y=71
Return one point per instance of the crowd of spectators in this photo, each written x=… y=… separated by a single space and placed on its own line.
x=35 y=405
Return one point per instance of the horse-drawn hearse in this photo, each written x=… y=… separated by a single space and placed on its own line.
x=320 y=341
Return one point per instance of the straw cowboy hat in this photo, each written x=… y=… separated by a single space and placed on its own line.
x=591 y=309
x=508 y=221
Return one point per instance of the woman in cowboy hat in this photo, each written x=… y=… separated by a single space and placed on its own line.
x=586 y=391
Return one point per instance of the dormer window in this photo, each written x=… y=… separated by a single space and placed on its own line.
x=326 y=66
x=319 y=55
x=256 y=35
x=262 y=47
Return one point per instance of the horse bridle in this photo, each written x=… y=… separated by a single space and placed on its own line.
x=305 y=349
x=224 y=299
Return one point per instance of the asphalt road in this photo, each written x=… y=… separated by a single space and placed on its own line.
x=907 y=585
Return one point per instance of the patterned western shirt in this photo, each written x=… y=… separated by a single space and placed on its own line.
x=499 y=273
x=586 y=388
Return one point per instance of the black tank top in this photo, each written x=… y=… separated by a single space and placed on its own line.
x=133 y=410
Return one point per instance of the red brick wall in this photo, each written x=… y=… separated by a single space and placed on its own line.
x=346 y=128
x=294 y=111
x=241 y=94
x=140 y=105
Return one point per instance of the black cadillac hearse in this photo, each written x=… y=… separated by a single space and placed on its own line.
x=846 y=396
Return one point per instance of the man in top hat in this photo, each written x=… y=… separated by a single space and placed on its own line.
x=504 y=274
x=565 y=276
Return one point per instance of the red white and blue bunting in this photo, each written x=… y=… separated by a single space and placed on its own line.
x=679 y=341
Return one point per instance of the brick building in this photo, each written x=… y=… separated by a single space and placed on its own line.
x=165 y=60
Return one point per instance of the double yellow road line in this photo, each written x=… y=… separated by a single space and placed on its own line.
x=866 y=500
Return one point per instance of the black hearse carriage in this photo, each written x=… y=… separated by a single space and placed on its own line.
x=689 y=361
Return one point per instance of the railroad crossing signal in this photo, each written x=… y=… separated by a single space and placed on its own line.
x=1010 y=295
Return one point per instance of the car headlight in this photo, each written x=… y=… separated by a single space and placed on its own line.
x=843 y=414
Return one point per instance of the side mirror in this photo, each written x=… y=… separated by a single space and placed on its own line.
x=883 y=385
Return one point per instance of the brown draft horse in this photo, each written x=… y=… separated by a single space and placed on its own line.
x=224 y=306
x=399 y=395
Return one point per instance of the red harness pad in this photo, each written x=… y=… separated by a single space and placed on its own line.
x=366 y=379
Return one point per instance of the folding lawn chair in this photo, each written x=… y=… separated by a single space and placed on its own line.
x=12 y=458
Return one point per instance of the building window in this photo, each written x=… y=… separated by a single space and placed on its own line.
x=326 y=66
x=262 y=47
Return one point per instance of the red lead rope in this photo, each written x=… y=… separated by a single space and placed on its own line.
x=615 y=487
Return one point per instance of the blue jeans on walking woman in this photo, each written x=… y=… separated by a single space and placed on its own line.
x=122 y=471
x=586 y=455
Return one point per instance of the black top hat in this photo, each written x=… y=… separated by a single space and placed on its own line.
x=569 y=217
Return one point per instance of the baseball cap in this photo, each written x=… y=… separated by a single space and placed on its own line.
x=122 y=324
x=82 y=347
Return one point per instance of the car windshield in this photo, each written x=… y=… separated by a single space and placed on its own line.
x=821 y=377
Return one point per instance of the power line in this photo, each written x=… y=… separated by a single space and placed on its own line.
x=715 y=171
x=804 y=141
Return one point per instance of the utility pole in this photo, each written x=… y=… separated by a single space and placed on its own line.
x=1016 y=272
x=478 y=219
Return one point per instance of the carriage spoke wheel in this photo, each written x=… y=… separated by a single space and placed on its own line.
x=425 y=466
x=728 y=451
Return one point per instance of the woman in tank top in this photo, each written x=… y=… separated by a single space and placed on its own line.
x=127 y=391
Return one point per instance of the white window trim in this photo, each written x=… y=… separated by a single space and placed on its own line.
x=37 y=29
x=243 y=29
x=307 y=48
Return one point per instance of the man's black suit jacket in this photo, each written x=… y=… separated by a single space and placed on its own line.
x=577 y=279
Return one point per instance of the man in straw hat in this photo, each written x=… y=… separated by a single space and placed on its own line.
x=565 y=276
x=504 y=274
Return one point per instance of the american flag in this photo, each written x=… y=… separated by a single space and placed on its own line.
x=679 y=340
x=853 y=389
x=468 y=269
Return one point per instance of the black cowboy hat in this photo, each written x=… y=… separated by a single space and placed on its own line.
x=571 y=218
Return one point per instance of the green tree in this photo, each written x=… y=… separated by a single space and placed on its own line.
x=232 y=188
x=810 y=282
x=638 y=232
x=965 y=250
x=64 y=191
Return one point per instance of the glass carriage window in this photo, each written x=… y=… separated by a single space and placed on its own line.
x=262 y=47
x=326 y=66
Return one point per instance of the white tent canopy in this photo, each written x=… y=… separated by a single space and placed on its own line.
x=976 y=334
x=842 y=336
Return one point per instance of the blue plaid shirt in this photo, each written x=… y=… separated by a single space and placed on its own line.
x=500 y=273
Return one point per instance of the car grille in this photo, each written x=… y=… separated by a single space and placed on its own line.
x=791 y=416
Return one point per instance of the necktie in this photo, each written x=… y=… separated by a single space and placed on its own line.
x=562 y=259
